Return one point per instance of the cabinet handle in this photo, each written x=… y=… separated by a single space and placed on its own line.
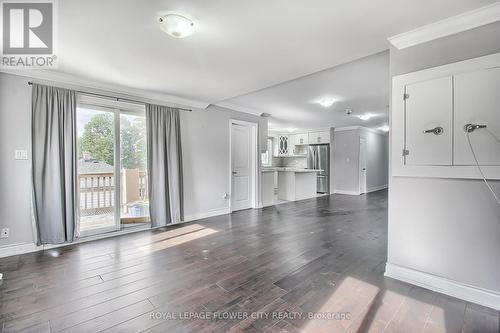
x=436 y=130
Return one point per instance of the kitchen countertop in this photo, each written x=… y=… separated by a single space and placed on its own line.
x=289 y=169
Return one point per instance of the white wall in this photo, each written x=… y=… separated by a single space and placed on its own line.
x=449 y=228
x=205 y=147
x=15 y=181
x=346 y=160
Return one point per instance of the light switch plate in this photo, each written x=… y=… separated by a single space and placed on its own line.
x=21 y=155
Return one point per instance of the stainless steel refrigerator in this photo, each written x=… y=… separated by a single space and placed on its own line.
x=318 y=157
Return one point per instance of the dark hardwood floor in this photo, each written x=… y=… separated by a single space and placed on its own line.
x=263 y=270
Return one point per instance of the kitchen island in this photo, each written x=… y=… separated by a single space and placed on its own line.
x=295 y=183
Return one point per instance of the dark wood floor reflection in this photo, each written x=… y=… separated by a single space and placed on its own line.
x=261 y=270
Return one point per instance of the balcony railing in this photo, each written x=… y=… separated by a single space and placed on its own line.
x=97 y=191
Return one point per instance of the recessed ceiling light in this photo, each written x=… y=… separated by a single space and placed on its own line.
x=176 y=25
x=364 y=116
x=326 y=102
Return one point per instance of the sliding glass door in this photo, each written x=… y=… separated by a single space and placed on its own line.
x=134 y=209
x=97 y=170
x=112 y=166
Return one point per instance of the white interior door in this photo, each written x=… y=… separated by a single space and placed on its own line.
x=242 y=175
x=362 y=165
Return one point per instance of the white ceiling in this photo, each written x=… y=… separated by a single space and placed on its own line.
x=362 y=85
x=239 y=46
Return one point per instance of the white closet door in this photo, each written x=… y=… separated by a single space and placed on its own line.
x=477 y=101
x=429 y=106
x=241 y=162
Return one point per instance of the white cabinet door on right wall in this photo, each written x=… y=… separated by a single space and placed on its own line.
x=429 y=112
x=477 y=101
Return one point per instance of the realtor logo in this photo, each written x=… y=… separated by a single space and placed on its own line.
x=27 y=34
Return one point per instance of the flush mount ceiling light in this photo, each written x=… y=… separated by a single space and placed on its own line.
x=291 y=130
x=176 y=25
x=326 y=102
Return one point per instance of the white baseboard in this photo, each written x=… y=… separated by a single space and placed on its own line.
x=203 y=215
x=370 y=189
x=21 y=248
x=376 y=188
x=485 y=297
x=346 y=192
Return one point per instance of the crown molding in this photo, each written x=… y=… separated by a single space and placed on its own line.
x=347 y=128
x=449 y=26
x=238 y=108
x=368 y=129
x=74 y=82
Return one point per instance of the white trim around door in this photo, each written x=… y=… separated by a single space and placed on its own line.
x=362 y=165
x=253 y=167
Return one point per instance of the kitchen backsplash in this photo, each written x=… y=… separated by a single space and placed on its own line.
x=296 y=162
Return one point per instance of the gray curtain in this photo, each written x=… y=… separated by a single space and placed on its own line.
x=164 y=165
x=54 y=163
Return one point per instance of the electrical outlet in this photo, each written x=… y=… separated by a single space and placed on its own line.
x=21 y=155
x=5 y=233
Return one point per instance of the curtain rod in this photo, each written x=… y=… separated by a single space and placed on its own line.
x=117 y=98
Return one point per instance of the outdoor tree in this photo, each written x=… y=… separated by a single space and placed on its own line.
x=97 y=140
x=133 y=143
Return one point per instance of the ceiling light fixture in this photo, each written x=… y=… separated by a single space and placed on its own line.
x=364 y=116
x=290 y=130
x=176 y=25
x=384 y=128
x=326 y=102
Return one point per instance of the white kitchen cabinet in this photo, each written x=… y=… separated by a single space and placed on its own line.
x=267 y=184
x=292 y=138
x=283 y=145
x=296 y=144
x=477 y=101
x=293 y=185
x=319 y=137
x=301 y=139
x=429 y=122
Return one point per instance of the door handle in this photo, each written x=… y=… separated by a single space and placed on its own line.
x=436 y=130
x=234 y=172
x=469 y=128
